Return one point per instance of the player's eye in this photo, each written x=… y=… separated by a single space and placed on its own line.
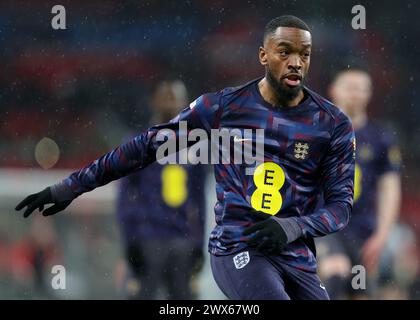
x=305 y=55
x=283 y=53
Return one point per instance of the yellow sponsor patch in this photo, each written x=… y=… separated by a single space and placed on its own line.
x=269 y=178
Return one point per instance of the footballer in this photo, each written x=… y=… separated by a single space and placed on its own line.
x=262 y=246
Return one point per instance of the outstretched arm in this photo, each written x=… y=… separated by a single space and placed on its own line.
x=123 y=160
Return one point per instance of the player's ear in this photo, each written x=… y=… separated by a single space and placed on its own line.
x=262 y=56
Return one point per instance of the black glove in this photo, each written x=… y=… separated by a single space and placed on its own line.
x=269 y=234
x=38 y=200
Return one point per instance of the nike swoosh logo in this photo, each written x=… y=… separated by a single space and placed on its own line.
x=237 y=139
x=322 y=286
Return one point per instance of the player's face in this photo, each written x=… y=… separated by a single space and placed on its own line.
x=286 y=57
x=351 y=92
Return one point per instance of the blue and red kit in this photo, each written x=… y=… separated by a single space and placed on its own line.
x=309 y=154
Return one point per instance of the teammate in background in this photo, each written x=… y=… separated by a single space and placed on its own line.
x=377 y=192
x=262 y=246
x=160 y=211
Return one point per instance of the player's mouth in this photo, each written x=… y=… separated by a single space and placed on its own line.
x=292 y=79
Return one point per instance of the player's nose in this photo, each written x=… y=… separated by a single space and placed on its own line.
x=294 y=63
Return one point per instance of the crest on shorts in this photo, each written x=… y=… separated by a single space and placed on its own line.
x=301 y=150
x=241 y=259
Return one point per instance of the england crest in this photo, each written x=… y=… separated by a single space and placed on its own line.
x=241 y=259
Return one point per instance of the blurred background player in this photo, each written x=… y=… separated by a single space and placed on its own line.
x=31 y=259
x=162 y=220
x=377 y=192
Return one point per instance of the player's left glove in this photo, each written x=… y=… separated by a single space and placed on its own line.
x=270 y=237
x=39 y=200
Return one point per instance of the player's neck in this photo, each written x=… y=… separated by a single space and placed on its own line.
x=359 y=120
x=269 y=95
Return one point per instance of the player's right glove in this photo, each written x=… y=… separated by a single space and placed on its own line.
x=268 y=234
x=39 y=200
x=272 y=233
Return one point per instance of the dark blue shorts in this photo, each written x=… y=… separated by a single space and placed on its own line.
x=251 y=275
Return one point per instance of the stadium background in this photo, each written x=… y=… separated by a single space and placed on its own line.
x=85 y=87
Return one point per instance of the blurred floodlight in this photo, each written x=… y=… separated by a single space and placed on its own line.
x=47 y=153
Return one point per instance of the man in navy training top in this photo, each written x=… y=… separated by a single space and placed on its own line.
x=262 y=246
x=377 y=193
x=162 y=221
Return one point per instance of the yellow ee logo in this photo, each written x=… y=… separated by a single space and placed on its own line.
x=357 y=182
x=269 y=178
x=174 y=185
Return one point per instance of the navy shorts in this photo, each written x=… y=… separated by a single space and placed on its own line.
x=251 y=275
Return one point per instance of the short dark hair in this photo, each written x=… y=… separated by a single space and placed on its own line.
x=288 y=21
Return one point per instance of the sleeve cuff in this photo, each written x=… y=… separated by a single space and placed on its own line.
x=61 y=191
x=291 y=228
